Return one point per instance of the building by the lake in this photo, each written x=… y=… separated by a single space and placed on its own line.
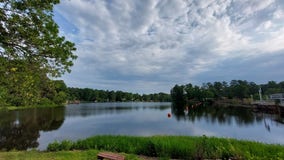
x=278 y=96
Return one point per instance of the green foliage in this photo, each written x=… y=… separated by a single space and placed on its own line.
x=29 y=33
x=66 y=145
x=3 y=96
x=22 y=87
x=87 y=94
x=21 y=83
x=177 y=147
x=55 y=146
x=178 y=96
x=60 y=97
x=31 y=50
x=238 y=89
x=272 y=87
x=186 y=94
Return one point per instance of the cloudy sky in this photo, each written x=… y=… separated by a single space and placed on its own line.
x=148 y=46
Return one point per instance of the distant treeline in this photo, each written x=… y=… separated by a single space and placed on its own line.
x=238 y=89
x=94 y=95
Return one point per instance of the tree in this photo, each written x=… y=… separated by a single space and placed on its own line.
x=178 y=95
x=239 y=89
x=189 y=90
x=253 y=89
x=281 y=85
x=29 y=33
x=111 y=96
x=30 y=49
x=272 y=87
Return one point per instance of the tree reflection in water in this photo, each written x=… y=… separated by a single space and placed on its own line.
x=222 y=115
x=20 y=129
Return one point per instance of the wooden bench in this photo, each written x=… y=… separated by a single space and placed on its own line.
x=110 y=156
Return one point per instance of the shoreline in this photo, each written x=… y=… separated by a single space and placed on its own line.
x=166 y=147
x=176 y=147
x=256 y=107
x=13 y=108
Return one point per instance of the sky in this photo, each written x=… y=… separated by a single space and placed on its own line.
x=148 y=46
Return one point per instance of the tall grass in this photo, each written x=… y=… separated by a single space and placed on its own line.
x=179 y=147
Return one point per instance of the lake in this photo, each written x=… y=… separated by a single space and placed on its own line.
x=35 y=128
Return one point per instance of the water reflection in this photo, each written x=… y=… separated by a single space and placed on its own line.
x=92 y=109
x=35 y=128
x=20 y=129
x=224 y=115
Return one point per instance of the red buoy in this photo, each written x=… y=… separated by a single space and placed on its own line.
x=169 y=115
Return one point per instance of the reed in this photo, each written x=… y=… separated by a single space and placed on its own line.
x=177 y=147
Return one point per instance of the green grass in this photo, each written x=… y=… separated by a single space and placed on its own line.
x=60 y=155
x=165 y=147
x=179 y=147
x=35 y=155
x=11 y=108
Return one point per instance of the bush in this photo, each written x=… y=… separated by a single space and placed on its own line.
x=66 y=145
x=55 y=146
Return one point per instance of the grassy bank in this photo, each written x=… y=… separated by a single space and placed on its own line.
x=60 y=155
x=179 y=147
x=11 y=108
x=35 y=155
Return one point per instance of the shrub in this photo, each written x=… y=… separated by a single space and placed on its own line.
x=55 y=146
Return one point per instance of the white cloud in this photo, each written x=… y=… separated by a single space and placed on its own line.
x=166 y=41
x=278 y=14
x=252 y=6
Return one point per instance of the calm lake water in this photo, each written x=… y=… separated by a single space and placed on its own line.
x=35 y=128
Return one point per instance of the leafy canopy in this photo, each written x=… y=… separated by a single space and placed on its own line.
x=31 y=50
x=29 y=33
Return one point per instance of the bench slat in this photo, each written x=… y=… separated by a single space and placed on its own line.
x=111 y=156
